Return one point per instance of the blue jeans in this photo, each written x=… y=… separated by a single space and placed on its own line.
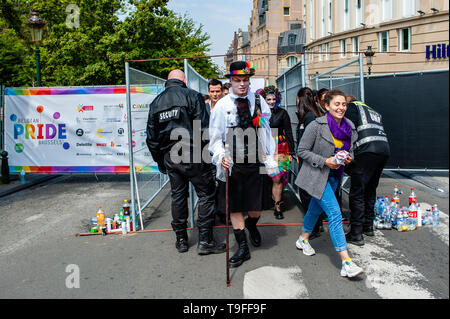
x=329 y=204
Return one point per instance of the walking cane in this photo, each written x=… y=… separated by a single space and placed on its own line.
x=227 y=229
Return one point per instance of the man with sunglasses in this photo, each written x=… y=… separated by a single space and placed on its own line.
x=241 y=121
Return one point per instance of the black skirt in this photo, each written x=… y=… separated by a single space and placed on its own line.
x=247 y=190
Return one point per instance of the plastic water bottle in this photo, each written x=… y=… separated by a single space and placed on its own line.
x=435 y=216
x=377 y=205
x=419 y=216
x=22 y=176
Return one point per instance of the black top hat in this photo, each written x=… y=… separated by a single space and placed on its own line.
x=241 y=68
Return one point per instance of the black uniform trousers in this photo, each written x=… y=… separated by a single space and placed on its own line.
x=201 y=176
x=365 y=172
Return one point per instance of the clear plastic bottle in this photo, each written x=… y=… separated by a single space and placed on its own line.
x=435 y=215
x=419 y=216
x=22 y=176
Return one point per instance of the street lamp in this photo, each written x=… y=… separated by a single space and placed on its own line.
x=369 y=54
x=37 y=26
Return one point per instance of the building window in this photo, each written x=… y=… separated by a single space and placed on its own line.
x=386 y=9
x=359 y=13
x=409 y=8
x=404 y=39
x=346 y=15
x=383 y=41
x=287 y=11
x=355 y=43
x=291 y=61
x=343 y=48
x=320 y=52
x=327 y=48
x=324 y=28
x=291 y=39
x=330 y=16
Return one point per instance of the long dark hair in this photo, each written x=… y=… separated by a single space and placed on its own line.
x=306 y=103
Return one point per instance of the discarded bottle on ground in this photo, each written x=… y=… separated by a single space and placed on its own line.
x=412 y=197
x=126 y=208
x=435 y=215
x=22 y=176
x=100 y=217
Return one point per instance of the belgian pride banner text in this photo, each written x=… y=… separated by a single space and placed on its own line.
x=76 y=130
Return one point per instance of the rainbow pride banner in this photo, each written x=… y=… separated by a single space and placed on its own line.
x=77 y=129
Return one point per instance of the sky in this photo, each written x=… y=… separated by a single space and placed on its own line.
x=220 y=18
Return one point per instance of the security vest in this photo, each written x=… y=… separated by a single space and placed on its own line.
x=371 y=135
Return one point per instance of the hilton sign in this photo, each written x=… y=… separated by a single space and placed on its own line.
x=437 y=51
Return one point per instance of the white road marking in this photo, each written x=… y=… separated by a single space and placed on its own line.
x=275 y=283
x=442 y=230
x=386 y=272
x=32 y=218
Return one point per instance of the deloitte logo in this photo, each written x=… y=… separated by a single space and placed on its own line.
x=18 y=148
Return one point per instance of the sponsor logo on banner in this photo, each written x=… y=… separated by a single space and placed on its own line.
x=103 y=154
x=120 y=131
x=147 y=154
x=121 y=154
x=142 y=107
x=84 y=154
x=81 y=132
x=115 y=145
x=102 y=145
x=86 y=120
x=18 y=148
x=84 y=144
x=113 y=106
x=113 y=120
x=101 y=133
x=85 y=108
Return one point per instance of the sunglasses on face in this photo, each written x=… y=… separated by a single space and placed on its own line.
x=240 y=79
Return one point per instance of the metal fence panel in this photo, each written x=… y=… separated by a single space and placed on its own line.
x=146 y=180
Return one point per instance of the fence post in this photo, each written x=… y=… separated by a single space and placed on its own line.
x=2 y=118
x=303 y=70
x=361 y=76
x=130 y=143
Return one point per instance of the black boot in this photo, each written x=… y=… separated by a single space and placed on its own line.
x=355 y=235
x=182 y=241
x=255 y=236
x=368 y=231
x=206 y=243
x=243 y=253
x=277 y=211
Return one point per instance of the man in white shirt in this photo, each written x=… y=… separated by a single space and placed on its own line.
x=241 y=119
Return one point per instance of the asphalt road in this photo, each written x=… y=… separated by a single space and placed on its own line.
x=40 y=256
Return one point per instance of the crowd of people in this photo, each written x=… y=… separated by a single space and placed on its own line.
x=335 y=135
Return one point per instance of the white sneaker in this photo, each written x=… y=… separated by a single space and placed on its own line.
x=305 y=246
x=350 y=269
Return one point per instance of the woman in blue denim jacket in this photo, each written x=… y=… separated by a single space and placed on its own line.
x=320 y=174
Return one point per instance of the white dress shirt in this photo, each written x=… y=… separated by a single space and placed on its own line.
x=224 y=116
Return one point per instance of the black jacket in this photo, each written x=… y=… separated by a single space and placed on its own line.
x=176 y=107
x=280 y=120
x=381 y=148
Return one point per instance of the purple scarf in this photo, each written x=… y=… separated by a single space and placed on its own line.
x=343 y=133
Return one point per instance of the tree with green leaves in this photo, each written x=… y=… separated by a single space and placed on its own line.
x=93 y=52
